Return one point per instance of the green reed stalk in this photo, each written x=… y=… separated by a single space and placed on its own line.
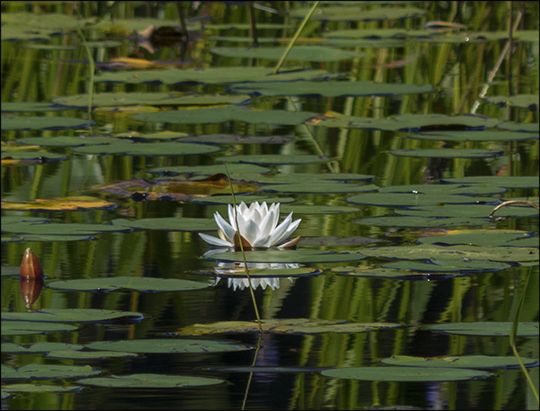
x=296 y=35
x=92 y=72
x=513 y=333
x=243 y=252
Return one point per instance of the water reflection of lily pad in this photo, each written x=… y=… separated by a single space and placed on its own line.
x=486 y=362
x=150 y=381
x=143 y=284
x=285 y=326
x=406 y=374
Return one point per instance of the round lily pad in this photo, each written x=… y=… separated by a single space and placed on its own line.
x=74 y=315
x=482 y=362
x=269 y=159
x=169 y=224
x=413 y=199
x=322 y=187
x=129 y=148
x=448 y=152
x=32 y=327
x=168 y=346
x=405 y=374
x=47 y=372
x=43 y=123
x=150 y=381
x=492 y=328
x=144 y=284
x=287 y=256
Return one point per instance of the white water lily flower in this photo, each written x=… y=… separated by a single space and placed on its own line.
x=258 y=226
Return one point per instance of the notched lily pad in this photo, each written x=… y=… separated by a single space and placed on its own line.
x=488 y=329
x=150 y=381
x=404 y=374
x=285 y=326
x=143 y=284
x=47 y=372
x=74 y=315
x=168 y=346
x=482 y=362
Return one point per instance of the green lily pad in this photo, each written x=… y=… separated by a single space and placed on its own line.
x=49 y=238
x=298 y=53
x=235 y=139
x=285 y=326
x=29 y=107
x=471 y=211
x=404 y=374
x=150 y=381
x=216 y=75
x=458 y=252
x=129 y=148
x=485 y=238
x=214 y=200
x=152 y=99
x=89 y=355
x=491 y=329
x=382 y=272
x=32 y=156
x=506 y=182
x=448 y=266
x=43 y=123
x=329 y=89
x=530 y=101
x=234 y=170
x=168 y=346
x=168 y=224
x=444 y=189
x=269 y=159
x=413 y=199
x=143 y=284
x=73 y=315
x=47 y=372
x=309 y=178
x=322 y=187
x=349 y=13
x=481 y=135
x=39 y=388
x=287 y=256
x=522 y=127
x=222 y=114
x=65 y=141
x=314 y=209
x=39 y=347
x=482 y=362
x=448 y=152
x=239 y=272
x=420 y=221
x=9 y=271
x=61 y=228
x=32 y=327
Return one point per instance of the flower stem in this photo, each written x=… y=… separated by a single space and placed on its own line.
x=243 y=252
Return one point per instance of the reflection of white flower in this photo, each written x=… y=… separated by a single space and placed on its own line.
x=258 y=227
x=242 y=283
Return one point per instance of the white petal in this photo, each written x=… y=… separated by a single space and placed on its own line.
x=250 y=232
x=278 y=234
x=232 y=220
x=225 y=227
x=269 y=223
x=215 y=241
x=293 y=226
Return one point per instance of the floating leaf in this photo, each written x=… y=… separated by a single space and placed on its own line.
x=32 y=327
x=222 y=114
x=413 y=199
x=61 y=204
x=238 y=271
x=482 y=362
x=492 y=328
x=144 y=284
x=47 y=372
x=61 y=228
x=168 y=346
x=321 y=187
x=404 y=374
x=330 y=240
x=530 y=101
x=506 y=182
x=39 y=347
x=329 y=89
x=420 y=221
x=458 y=252
x=246 y=199
x=285 y=326
x=298 y=53
x=74 y=315
x=287 y=256
x=480 y=135
x=448 y=152
x=150 y=381
x=382 y=272
x=314 y=209
x=89 y=355
x=33 y=107
x=65 y=141
x=446 y=266
x=234 y=169
x=235 y=139
x=351 y=13
x=471 y=211
x=43 y=123
x=169 y=224
x=28 y=157
x=216 y=75
x=39 y=388
x=485 y=238
x=152 y=99
x=269 y=159
x=443 y=189
x=129 y=148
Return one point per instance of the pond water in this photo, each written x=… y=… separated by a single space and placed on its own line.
x=391 y=131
